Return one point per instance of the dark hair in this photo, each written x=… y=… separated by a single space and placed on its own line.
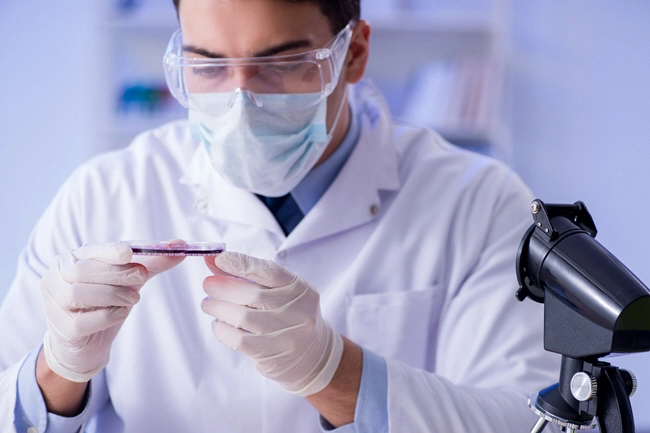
x=338 y=12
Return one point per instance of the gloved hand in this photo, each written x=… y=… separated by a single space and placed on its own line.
x=273 y=316
x=87 y=294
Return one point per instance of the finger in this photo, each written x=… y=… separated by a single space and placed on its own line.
x=83 y=296
x=247 y=293
x=92 y=322
x=115 y=253
x=83 y=323
x=249 y=344
x=158 y=264
x=232 y=289
x=93 y=271
x=248 y=319
x=227 y=312
x=228 y=335
x=263 y=272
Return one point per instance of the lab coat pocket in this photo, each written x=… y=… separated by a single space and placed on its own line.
x=397 y=325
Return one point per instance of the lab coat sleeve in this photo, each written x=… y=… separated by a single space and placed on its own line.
x=432 y=403
x=371 y=413
x=22 y=321
x=21 y=329
x=30 y=405
x=8 y=380
x=489 y=355
x=30 y=408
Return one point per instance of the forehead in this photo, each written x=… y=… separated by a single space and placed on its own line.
x=238 y=28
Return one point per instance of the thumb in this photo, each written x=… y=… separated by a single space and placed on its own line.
x=115 y=253
x=158 y=264
x=210 y=262
x=263 y=272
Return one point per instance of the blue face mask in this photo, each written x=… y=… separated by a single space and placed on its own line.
x=261 y=143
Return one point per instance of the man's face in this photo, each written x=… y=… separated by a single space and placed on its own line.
x=254 y=28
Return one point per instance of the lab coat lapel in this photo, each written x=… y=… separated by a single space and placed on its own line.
x=353 y=198
x=221 y=200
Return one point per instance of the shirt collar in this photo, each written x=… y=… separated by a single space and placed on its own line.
x=313 y=186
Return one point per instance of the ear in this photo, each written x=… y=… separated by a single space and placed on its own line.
x=357 y=57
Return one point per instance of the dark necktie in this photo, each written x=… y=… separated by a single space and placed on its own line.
x=285 y=210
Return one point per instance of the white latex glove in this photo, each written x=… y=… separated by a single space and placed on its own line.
x=273 y=316
x=87 y=294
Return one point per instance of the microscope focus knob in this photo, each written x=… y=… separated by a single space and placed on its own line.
x=630 y=381
x=584 y=386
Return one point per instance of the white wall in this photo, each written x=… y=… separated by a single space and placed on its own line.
x=582 y=125
x=48 y=82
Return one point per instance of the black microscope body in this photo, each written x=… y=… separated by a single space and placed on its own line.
x=593 y=306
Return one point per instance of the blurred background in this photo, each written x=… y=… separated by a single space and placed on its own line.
x=557 y=89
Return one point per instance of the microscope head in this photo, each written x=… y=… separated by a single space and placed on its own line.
x=593 y=304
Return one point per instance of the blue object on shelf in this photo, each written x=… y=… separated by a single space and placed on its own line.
x=143 y=98
x=128 y=5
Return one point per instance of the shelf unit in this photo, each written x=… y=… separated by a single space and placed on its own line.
x=408 y=36
x=445 y=64
x=136 y=98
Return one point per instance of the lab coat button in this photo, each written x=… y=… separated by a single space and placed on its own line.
x=201 y=205
x=282 y=254
x=374 y=209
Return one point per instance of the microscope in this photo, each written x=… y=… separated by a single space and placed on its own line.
x=593 y=306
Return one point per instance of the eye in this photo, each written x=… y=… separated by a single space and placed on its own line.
x=209 y=71
x=286 y=67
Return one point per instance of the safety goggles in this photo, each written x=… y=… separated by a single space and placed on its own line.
x=313 y=74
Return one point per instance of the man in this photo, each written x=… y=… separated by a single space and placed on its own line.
x=369 y=277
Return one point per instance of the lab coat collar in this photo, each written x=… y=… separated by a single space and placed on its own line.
x=351 y=200
x=225 y=201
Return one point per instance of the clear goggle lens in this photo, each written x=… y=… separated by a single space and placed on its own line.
x=313 y=73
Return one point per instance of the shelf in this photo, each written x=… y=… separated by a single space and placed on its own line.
x=398 y=21
x=433 y=23
x=403 y=40
x=143 y=20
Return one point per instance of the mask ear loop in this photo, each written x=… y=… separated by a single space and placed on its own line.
x=345 y=92
x=338 y=113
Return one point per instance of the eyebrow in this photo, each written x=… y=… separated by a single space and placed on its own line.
x=293 y=45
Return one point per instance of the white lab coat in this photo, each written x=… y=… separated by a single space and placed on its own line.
x=412 y=248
